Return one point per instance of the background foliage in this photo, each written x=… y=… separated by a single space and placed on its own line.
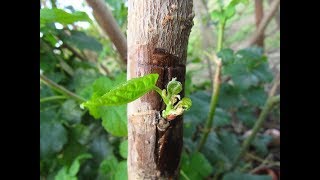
x=76 y=144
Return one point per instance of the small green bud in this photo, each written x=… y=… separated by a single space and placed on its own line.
x=174 y=87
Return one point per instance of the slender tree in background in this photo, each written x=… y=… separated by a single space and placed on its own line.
x=259 y=16
x=158 y=32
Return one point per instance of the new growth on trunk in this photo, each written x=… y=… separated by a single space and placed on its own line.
x=158 y=32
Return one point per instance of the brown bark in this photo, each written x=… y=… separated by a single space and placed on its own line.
x=158 y=32
x=259 y=16
x=109 y=25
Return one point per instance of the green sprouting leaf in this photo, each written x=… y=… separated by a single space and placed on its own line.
x=100 y=87
x=114 y=120
x=82 y=41
x=121 y=171
x=126 y=92
x=75 y=166
x=195 y=166
x=174 y=87
x=185 y=103
x=58 y=15
x=242 y=176
x=53 y=136
x=123 y=149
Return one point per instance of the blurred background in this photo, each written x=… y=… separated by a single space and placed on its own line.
x=77 y=59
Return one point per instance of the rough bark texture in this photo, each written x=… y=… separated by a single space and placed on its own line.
x=158 y=32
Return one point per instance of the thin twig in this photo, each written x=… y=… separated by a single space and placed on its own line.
x=61 y=89
x=108 y=23
x=275 y=85
x=216 y=87
x=75 y=52
x=45 y=99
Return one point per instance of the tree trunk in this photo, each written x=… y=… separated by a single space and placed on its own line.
x=158 y=32
x=259 y=16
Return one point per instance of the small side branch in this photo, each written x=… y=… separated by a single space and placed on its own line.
x=109 y=25
x=60 y=89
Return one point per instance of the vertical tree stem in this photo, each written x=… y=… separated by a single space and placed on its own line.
x=220 y=35
x=216 y=88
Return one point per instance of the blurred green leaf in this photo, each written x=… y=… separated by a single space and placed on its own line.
x=71 y=112
x=81 y=133
x=108 y=167
x=197 y=113
x=100 y=147
x=261 y=144
x=229 y=97
x=226 y=55
x=74 y=168
x=58 y=15
x=64 y=175
x=123 y=149
x=121 y=171
x=48 y=62
x=242 y=176
x=83 y=78
x=70 y=173
x=217 y=15
x=221 y=118
x=229 y=145
x=256 y=96
x=195 y=166
x=82 y=41
x=246 y=116
x=53 y=136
